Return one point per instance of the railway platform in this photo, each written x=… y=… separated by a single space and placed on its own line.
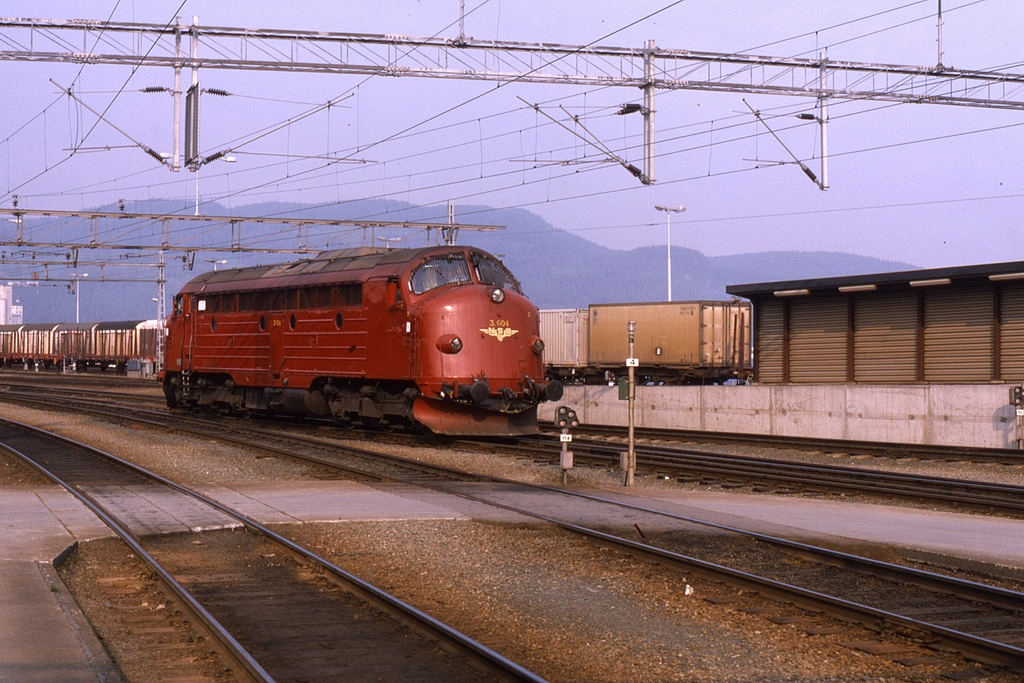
x=45 y=637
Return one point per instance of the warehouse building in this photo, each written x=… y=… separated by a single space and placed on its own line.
x=920 y=357
x=947 y=326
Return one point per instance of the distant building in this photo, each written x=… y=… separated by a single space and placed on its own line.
x=17 y=314
x=6 y=302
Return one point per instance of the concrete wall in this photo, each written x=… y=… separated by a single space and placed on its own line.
x=953 y=415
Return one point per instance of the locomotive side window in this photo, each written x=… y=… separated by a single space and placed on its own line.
x=246 y=301
x=493 y=272
x=221 y=303
x=310 y=298
x=347 y=295
x=226 y=303
x=331 y=296
x=448 y=269
x=275 y=300
x=179 y=305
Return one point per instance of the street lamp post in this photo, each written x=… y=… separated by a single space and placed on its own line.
x=669 y=210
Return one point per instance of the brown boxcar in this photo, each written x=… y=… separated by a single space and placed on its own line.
x=36 y=343
x=9 y=348
x=74 y=342
x=675 y=342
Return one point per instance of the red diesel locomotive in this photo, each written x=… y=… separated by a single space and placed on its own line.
x=441 y=337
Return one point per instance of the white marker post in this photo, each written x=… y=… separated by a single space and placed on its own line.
x=631 y=365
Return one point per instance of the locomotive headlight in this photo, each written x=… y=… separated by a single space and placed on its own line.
x=497 y=295
x=537 y=345
x=449 y=343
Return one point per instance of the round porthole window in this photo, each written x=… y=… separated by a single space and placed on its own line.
x=263 y=322
x=338 y=320
x=291 y=322
x=213 y=324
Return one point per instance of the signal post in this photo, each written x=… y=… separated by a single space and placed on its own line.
x=565 y=419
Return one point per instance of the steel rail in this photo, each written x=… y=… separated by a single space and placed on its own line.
x=984 y=649
x=973 y=645
x=188 y=601
x=364 y=588
x=1006 y=497
x=1006 y=456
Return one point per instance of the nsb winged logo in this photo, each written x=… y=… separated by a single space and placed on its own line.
x=499 y=329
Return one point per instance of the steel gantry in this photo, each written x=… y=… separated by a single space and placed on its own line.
x=648 y=68
x=20 y=249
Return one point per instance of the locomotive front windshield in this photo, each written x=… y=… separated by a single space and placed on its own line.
x=452 y=269
x=493 y=272
x=447 y=269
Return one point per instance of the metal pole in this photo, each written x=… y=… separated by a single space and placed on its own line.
x=77 y=282
x=648 y=113
x=668 y=242
x=668 y=223
x=631 y=386
x=176 y=146
x=161 y=313
x=823 y=123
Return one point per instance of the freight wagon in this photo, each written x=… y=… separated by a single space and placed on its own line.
x=688 y=342
x=107 y=345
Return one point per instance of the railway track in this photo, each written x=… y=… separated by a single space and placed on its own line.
x=980 y=621
x=277 y=609
x=788 y=476
x=763 y=475
x=895 y=451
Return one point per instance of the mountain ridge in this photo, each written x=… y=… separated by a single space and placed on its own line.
x=557 y=269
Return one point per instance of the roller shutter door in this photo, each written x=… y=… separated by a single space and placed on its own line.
x=1011 y=334
x=770 y=336
x=958 y=332
x=885 y=338
x=817 y=340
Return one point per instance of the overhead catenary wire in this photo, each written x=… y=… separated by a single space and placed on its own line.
x=573 y=197
x=828 y=28
x=242 y=192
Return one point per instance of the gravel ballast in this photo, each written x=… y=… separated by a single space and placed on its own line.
x=564 y=607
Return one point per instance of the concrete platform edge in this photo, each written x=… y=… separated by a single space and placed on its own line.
x=98 y=658
x=945 y=561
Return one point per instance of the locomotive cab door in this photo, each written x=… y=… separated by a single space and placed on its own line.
x=277 y=350
x=181 y=348
x=400 y=331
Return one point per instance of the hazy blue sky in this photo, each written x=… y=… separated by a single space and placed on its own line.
x=928 y=185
